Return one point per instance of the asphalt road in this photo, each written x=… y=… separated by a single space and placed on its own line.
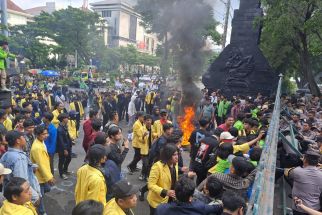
x=60 y=200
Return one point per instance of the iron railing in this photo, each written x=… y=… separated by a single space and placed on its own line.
x=262 y=199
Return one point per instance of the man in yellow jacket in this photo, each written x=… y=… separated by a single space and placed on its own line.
x=163 y=176
x=40 y=157
x=72 y=125
x=125 y=199
x=50 y=100
x=137 y=141
x=77 y=106
x=17 y=203
x=149 y=101
x=8 y=122
x=157 y=129
x=145 y=146
x=90 y=180
x=59 y=108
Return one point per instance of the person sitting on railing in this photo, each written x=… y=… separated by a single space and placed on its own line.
x=307 y=183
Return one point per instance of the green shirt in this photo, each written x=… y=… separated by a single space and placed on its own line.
x=239 y=125
x=221 y=166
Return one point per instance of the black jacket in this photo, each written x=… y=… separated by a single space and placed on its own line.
x=63 y=139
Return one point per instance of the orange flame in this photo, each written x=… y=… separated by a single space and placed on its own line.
x=186 y=124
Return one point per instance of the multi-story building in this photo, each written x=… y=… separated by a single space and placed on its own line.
x=16 y=15
x=124 y=26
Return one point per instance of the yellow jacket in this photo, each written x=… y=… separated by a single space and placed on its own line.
x=112 y=208
x=72 y=106
x=39 y=156
x=71 y=125
x=50 y=101
x=157 y=129
x=9 y=208
x=8 y=124
x=90 y=185
x=13 y=102
x=144 y=147
x=22 y=101
x=55 y=120
x=138 y=134
x=159 y=179
x=149 y=99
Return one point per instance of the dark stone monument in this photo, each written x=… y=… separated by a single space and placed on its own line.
x=241 y=68
x=5 y=99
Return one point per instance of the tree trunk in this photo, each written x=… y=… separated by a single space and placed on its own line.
x=305 y=65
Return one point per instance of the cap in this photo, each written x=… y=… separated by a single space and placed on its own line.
x=124 y=189
x=163 y=111
x=312 y=152
x=226 y=136
x=4 y=171
x=72 y=113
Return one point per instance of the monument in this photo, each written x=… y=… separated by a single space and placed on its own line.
x=241 y=68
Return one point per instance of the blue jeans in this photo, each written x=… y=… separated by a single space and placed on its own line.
x=44 y=188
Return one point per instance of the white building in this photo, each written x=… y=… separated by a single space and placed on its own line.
x=16 y=15
x=124 y=26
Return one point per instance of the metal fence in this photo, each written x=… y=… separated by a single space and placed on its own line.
x=262 y=199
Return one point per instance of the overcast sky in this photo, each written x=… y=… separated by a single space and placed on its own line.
x=25 y=4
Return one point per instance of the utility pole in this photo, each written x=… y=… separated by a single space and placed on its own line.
x=224 y=36
x=4 y=17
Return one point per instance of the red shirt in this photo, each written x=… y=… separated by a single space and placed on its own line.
x=88 y=130
x=224 y=127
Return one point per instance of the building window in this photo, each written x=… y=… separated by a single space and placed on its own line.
x=106 y=13
x=133 y=26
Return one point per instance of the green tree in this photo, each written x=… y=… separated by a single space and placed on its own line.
x=25 y=40
x=292 y=39
x=74 y=29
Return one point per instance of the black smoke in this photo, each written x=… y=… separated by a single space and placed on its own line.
x=185 y=24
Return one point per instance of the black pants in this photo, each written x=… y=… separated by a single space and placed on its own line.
x=64 y=161
x=136 y=158
x=298 y=213
x=152 y=210
x=145 y=166
x=149 y=108
x=51 y=160
x=77 y=122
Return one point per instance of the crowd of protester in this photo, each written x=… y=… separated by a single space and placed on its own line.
x=225 y=148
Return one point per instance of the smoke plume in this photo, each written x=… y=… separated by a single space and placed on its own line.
x=184 y=23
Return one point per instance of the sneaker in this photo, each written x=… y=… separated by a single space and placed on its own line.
x=63 y=176
x=131 y=172
x=141 y=195
x=141 y=178
x=69 y=172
